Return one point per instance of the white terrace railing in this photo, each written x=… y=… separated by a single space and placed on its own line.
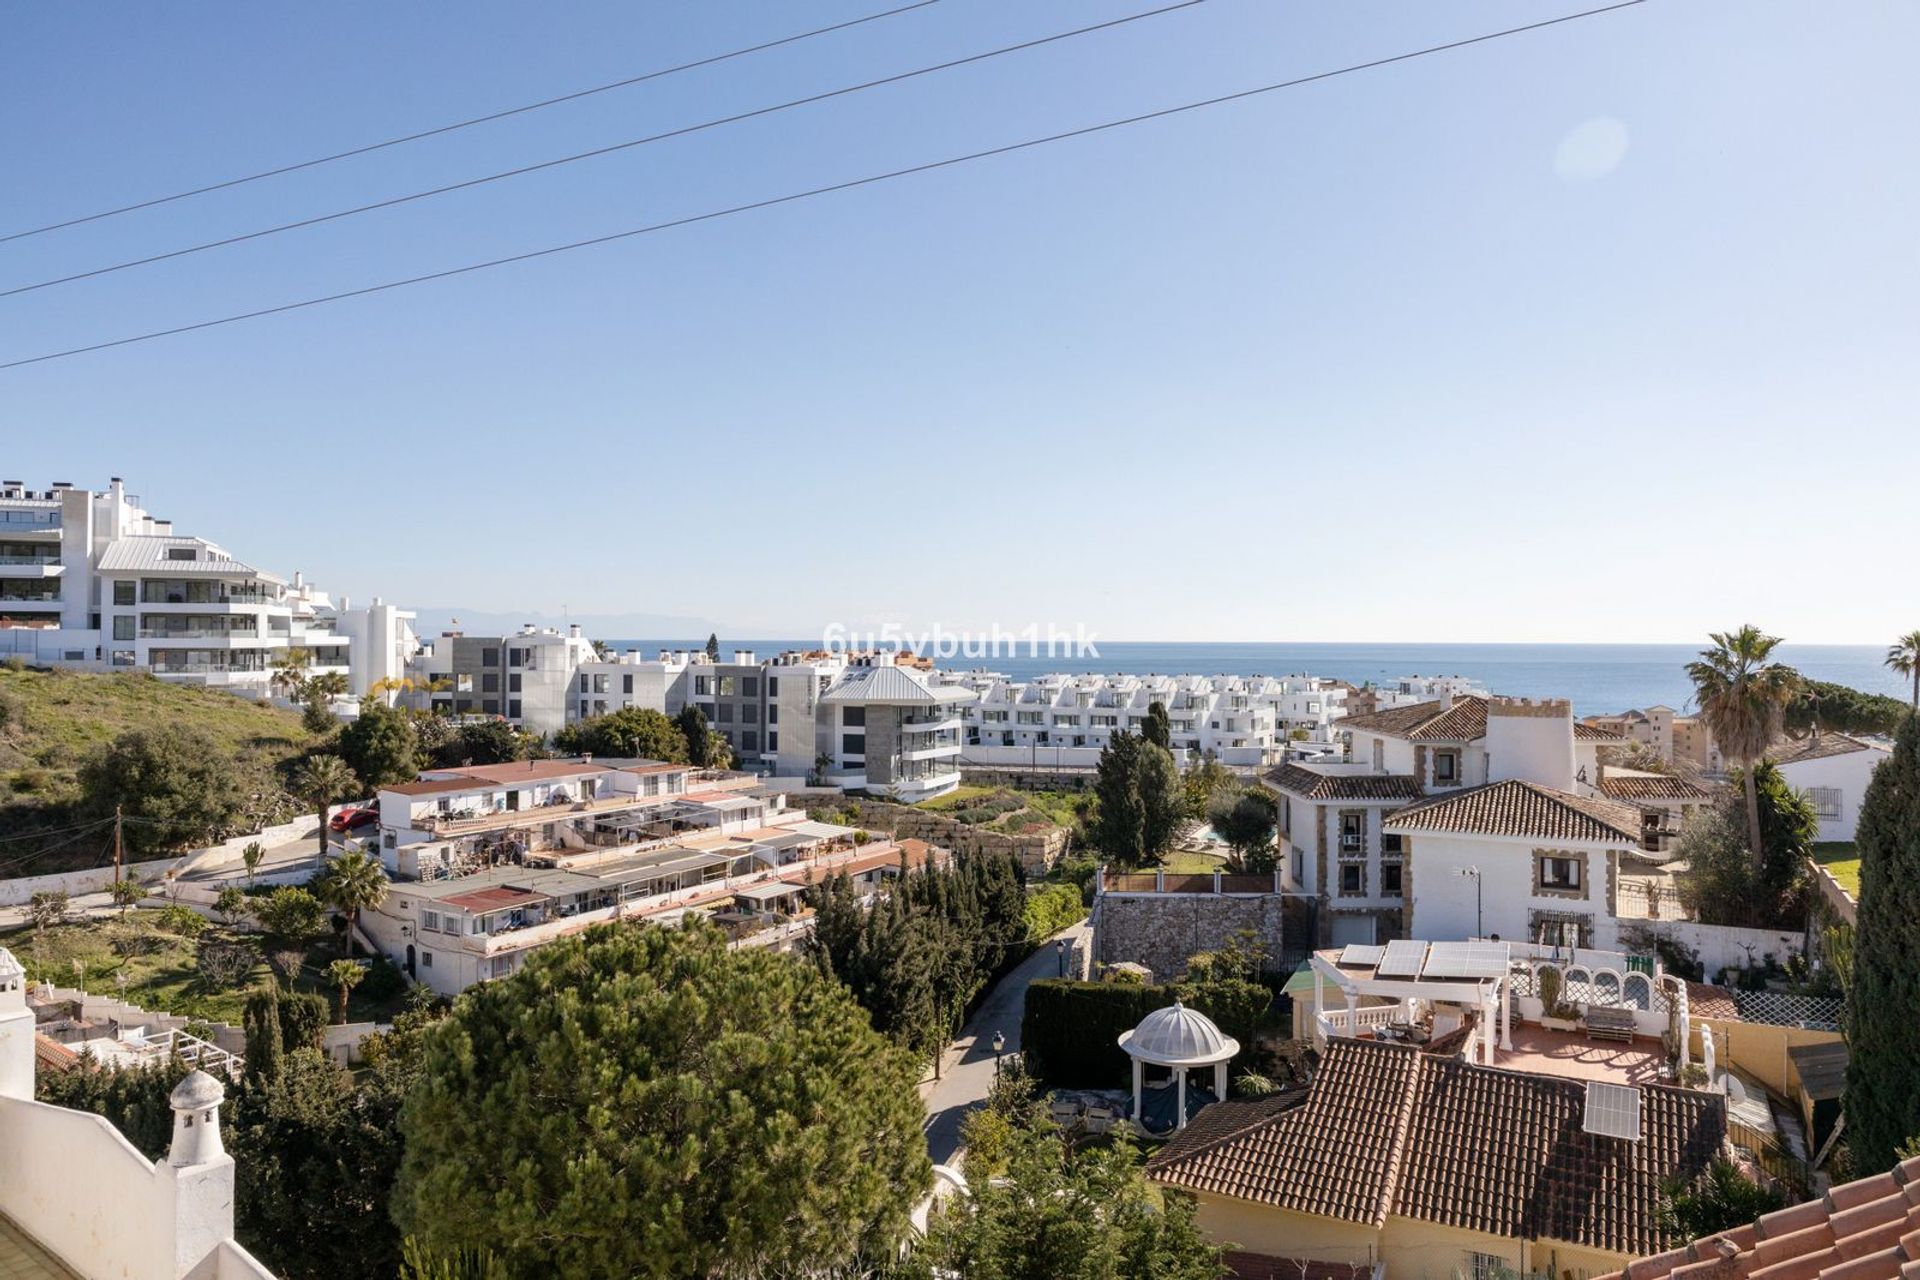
x=190 y=1049
x=1343 y=1022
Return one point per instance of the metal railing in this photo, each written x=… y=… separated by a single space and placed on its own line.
x=1779 y=1163
x=30 y=560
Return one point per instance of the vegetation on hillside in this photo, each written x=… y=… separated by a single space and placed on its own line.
x=55 y=724
x=1836 y=708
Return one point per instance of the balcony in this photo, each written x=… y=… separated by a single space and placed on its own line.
x=933 y=724
x=35 y=599
x=33 y=567
x=205 y=600
x=200 y=633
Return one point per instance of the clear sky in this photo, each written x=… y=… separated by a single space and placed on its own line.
x=1603 y=332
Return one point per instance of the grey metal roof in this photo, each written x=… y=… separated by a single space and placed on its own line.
x=891 y=684
x=149 y=555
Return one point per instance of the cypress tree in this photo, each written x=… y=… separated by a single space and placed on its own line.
x=1119 y=829
x=265 y=1040
x=1882 y=1100
x=1158 y=729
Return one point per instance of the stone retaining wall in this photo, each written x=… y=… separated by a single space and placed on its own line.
x=1161 y=930
x=1037 y=850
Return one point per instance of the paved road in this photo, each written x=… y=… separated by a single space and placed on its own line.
x=966 y=1072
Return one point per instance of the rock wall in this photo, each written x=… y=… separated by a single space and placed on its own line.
x=1161 y=930
x=1037 y=850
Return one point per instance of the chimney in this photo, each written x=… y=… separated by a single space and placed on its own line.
x=200 y=1174
x=1446 y=698
x=573 y=630
x=16 y=1031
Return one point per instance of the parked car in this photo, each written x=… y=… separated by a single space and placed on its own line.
x=353 y=819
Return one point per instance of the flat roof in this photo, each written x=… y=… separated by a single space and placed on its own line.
x=769 y=892
x=494 y=899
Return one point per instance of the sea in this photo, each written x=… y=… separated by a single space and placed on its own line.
x=1597 y=678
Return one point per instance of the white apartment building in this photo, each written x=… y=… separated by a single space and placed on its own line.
x=893 y=731
x=92 y=580
x=1067 y=719
x=1460 y=817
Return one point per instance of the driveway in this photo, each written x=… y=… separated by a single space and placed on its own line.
x=966 y=1070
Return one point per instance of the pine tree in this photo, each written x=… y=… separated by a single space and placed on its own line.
x=1882 y=1100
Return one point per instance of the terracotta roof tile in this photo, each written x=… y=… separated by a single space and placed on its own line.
x=1516 y=808
x=1388 y=1129
x=1818 y=747
x=50 y=1055
x=1464 y=721
x=1650 y=786
x=1311 y=784
x=1863 y=1230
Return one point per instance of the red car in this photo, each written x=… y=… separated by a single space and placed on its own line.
x=353 y=819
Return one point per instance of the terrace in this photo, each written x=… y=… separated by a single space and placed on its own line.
x=1490 y=1001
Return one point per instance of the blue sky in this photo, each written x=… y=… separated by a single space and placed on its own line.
x=1603 y=332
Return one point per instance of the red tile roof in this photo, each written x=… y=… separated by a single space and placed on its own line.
x=1650 y=786
x=1311 y=784
x=1388 y=1129
x=51 y=1055
x=1818 y=747
x=1863 y=1230
x=1516 y=808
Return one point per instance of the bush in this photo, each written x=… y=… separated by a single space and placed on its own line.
x=383 y=981
x=181 y=921
x=130 y=940
x=223 y=965
x=1053 y=909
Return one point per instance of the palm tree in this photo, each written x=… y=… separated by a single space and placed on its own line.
x=355 y=881
x=343 y=976
x=290 y=673
x=1904 y=657
x=320 y=780
x=1742 y=698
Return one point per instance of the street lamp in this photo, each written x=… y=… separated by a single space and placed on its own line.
x=1060 y=954
x=1475 y=873
x=999 y=1047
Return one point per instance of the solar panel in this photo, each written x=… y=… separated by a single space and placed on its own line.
x=1613 y=1111
x=1471 y=961
x=1360 y=954
x=1403 y=959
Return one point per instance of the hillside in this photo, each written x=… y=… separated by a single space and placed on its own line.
x=51 y=721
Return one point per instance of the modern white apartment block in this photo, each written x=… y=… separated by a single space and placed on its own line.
x=1467 y=816
x=90 y=579
x=1068 y=719
x=529 y=677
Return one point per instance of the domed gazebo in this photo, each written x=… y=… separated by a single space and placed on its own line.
x=1181 y=1039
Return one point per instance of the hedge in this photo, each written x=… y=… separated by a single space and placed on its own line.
x=1070 y=1033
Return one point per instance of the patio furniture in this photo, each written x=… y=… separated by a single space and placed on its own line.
x=1609 y=1024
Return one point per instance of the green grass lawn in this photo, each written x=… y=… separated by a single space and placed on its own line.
x=1842 y=860
x=956 y=798
x=1188 y=862
x=162 y=977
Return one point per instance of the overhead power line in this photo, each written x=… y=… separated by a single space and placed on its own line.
x=465 y=124
x=813 y=192
x=601 y=151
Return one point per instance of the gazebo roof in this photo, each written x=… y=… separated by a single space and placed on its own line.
x=1178 y=1037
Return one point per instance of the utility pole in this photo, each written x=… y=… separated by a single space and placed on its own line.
x=119 y=859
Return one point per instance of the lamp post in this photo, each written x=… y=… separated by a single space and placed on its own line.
x=1475 y=873
x=1060 y=954
x=999 y=1047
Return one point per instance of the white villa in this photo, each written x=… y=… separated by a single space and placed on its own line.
x=1834 y=770
x=1468 y=816
x=92 y=580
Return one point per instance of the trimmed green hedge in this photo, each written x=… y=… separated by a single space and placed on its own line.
x=1070 y=1033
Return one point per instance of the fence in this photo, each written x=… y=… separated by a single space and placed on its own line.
x=1779 y=1163
x=1782 y=1009
x=1648 y=900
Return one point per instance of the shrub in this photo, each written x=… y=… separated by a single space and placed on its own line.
x=183 y=922
x=1071 y=1030
x=223 y=965
x=383 y=981
x=132 y=940
x=1053 y=909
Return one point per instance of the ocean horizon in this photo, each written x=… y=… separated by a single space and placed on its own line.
x=1596 y=678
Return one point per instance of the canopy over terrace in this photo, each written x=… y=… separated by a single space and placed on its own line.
x=1474 y=975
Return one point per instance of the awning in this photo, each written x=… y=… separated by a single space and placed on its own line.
x=821 y=830
x=1301 y=983
x=769 y=892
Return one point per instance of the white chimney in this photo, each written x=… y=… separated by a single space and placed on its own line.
x=1446 y=697
x=16 y=1031
x=200 y=1174
x=1531 y=741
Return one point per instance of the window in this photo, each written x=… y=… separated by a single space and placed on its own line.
x=583 y=709
x=513 y=683
x=430 y=920
x=1379 y=756
x=1826 y=800
x=1551 y=929
x=1299 y=867
x=1353 y=832
x=749 y=740
x=1390 y=879
x=702 y=685
x=123 y=592
x=516 y=657
x=123 y=627
x=491 y=706
x=773 y=685
x=489 y=657
x=749 y=686
x=726 y=686
x=1027 y=717
x=1446 y=767
x=726 y=712
x=854 y=718
x=773 y=713
x=1286 y=815
x=426 y=959
x=1557 y=873
x=584 y=685
x=773 y=740
x=749 y=714
x=1486 y=1266
x=626 y=683
x=490 y=683
x=1392 y=845
x=1353 y=878
x=513 y=708
x=182 y=553
x=853 y=744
